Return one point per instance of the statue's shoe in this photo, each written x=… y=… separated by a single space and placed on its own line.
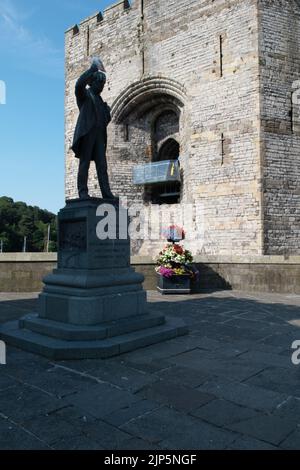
x=84 y=196
x=110 y=196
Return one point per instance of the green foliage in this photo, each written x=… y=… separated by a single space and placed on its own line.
x=17 y=220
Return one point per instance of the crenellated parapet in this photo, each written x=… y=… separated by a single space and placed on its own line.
x=117 y=7
x=112 y=12
x=73 y=29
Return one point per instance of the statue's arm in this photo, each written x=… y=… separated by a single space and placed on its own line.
x=108 y=112
x=108 y=119
x=82 y=82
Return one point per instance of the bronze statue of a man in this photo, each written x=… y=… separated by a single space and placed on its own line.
x=90 y=137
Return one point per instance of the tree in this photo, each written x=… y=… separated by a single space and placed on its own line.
x=17 y=220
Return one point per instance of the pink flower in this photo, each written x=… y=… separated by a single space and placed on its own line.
x=166 y=272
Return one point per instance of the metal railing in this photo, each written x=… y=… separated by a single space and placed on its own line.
x=156 y=172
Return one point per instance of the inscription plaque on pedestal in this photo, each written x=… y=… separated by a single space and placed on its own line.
x=73 y=235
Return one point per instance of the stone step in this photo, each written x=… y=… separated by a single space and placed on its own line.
x=58 y=349
x=69 y=332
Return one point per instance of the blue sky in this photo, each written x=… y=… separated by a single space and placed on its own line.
x=32 y=120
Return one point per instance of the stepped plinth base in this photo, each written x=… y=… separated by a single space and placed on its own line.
x=93 y=305
x=60 y=341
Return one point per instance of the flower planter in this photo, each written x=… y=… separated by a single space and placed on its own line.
x=174 y=285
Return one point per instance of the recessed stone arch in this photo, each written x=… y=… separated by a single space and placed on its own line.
x=140 y=97
x=144 y=116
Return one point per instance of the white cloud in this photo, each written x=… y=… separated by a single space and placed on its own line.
x=21 y=45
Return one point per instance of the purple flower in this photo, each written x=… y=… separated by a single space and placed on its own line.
x=166 y=272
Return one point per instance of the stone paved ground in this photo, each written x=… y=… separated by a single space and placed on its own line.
x=229 y=384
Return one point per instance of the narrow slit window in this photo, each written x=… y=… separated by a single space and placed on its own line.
x=143 y=61
x=221 y=44
x=126 y=132
x=88 y=41
x=142 y=30
x=291 y=113
x=222 y=148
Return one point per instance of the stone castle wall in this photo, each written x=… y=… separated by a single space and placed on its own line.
x=279 y=69
x=199 y=61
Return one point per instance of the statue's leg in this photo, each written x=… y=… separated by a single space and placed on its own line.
x=82 y=180
x=101 y=167
x=87 y=146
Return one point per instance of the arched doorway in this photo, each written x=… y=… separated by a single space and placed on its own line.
x=147 y=116
x=169 y=150
x=166 y=147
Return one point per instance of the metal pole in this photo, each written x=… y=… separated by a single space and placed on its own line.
x=48 y=239
x=1 y=246
x=24 y=244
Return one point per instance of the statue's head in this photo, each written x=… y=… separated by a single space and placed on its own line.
x=97 y=82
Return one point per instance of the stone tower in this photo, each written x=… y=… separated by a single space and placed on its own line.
x=213 y=80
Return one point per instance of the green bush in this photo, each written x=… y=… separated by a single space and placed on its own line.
x=18 y=220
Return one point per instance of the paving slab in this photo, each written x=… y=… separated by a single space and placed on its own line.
x=278 y=379
x=102 y=400
x=292 y=442
x=76 y=443
x=172 y=430
x=176 y=395
x=50 y=428
x=112 y=371
x=289 y=409
x=149 y=366
x=222 y=412
x=136 y=444
x=271 y=429
x=133 y=411
x=184 y=375
x=14 y=437
x=245 y=395
x=267 y=359
x=217 y=365
x=8 y=382
x=74 y=415
x=23 y=402
x=104 y=434
x=60 y=382
x=249 y=443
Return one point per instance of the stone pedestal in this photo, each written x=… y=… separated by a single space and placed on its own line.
x=93 y=304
